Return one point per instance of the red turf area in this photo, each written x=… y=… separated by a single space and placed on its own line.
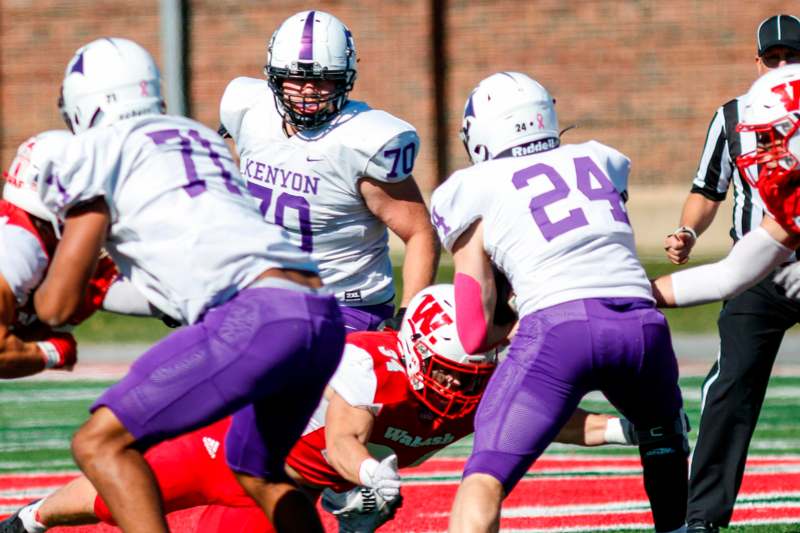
x=576 y=493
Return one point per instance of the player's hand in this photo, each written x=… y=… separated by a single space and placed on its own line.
x=789 y=278
x=60 y=350
x=382 y=477
x=678 y=246
x=393 y=323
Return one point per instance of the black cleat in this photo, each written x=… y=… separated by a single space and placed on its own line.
x=694 y=526
x=12 y=524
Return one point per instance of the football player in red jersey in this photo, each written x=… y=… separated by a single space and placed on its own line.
x=28 y=236
x=772 y=111
x=404 y=394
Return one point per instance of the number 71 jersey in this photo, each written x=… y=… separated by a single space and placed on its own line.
x=554 y=222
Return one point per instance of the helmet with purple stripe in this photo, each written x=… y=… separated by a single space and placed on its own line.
x=107 y=80
x=311 y=46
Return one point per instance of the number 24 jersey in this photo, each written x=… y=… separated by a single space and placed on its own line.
x=554 y=222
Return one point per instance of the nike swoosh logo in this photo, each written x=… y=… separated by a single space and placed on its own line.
x=313 y=159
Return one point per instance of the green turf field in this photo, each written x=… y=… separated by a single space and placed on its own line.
x=107 y=327
x=37 y=419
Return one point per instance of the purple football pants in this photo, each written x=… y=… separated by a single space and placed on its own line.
x=275 y=348
x=256 y=456
x=620 y=346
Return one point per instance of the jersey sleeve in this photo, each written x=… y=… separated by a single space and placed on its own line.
x=85 y=168
x=394 y=161
x=454 y=207
x=377 y=144
x=716 y=168
x=238 y=97
x=355 y=380
x=617 y=165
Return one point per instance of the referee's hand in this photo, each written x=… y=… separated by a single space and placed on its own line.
x=678 y=246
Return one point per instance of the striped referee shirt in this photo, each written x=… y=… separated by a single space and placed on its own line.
x=718 y=169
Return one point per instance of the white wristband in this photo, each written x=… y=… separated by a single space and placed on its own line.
x=51 y=355
x=686 y=229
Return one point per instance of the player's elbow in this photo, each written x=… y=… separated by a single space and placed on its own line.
x=54 y=310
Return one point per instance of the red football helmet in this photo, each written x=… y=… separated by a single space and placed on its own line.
x=772 y=112
x=442 y=375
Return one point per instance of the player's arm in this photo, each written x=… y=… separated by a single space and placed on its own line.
x=400 y=206
x=752 y=258
x=347 y=431
x=476 y=294
x=74 y=262
x=698 y=213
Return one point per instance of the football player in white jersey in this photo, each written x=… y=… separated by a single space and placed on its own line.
x=164 y=197
x=552 y=219
x=396 y=399
x=332 y=171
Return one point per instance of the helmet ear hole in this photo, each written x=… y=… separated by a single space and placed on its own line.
x=442 y=376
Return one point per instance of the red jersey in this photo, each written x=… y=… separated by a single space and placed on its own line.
x=372 y=375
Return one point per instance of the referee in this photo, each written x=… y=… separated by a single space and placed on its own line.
x=751 y=325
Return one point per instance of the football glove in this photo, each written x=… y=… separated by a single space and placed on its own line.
x=789 y=278
x=393 y=323
x=359 y=510
x=104 y=275
x=382 y=477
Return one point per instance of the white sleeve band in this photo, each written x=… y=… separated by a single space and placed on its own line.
x=750 y=260
x=123 y=298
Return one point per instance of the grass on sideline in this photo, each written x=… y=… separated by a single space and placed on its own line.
x=111 y=328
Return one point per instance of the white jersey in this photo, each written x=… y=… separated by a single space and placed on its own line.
x=309 y=183
x=184 y=230
x=554 y=223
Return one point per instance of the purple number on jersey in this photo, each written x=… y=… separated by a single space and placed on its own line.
x=195 y=185
x=286 y=200
x=404 y=157
x=550 y=230
x=585 y=169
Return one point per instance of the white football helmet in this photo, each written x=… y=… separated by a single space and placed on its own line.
x=443 y=376
x=21 y=187
x=108 y=80
x=508 y=113
x=311 y=45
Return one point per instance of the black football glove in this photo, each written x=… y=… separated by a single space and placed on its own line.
x=393 y=323
x=503 y=313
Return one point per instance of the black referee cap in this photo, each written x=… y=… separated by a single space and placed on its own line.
x=778 y=30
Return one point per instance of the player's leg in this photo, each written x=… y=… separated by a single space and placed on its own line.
x=195 y=376
x=262 y=434
x=219 y=518
x=585 y=428
x=751 y=327
x=529 y=398
x=643 y=385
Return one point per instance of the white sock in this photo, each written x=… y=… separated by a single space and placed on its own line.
x=28 y=517
x=613 y=433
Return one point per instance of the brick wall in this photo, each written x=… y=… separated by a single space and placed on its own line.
x=643 y=76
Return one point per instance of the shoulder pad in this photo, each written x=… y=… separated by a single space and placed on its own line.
x=238 y=98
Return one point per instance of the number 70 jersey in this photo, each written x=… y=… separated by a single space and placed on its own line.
x=553 y=222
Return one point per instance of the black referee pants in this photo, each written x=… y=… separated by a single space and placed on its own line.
x=751 y=327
